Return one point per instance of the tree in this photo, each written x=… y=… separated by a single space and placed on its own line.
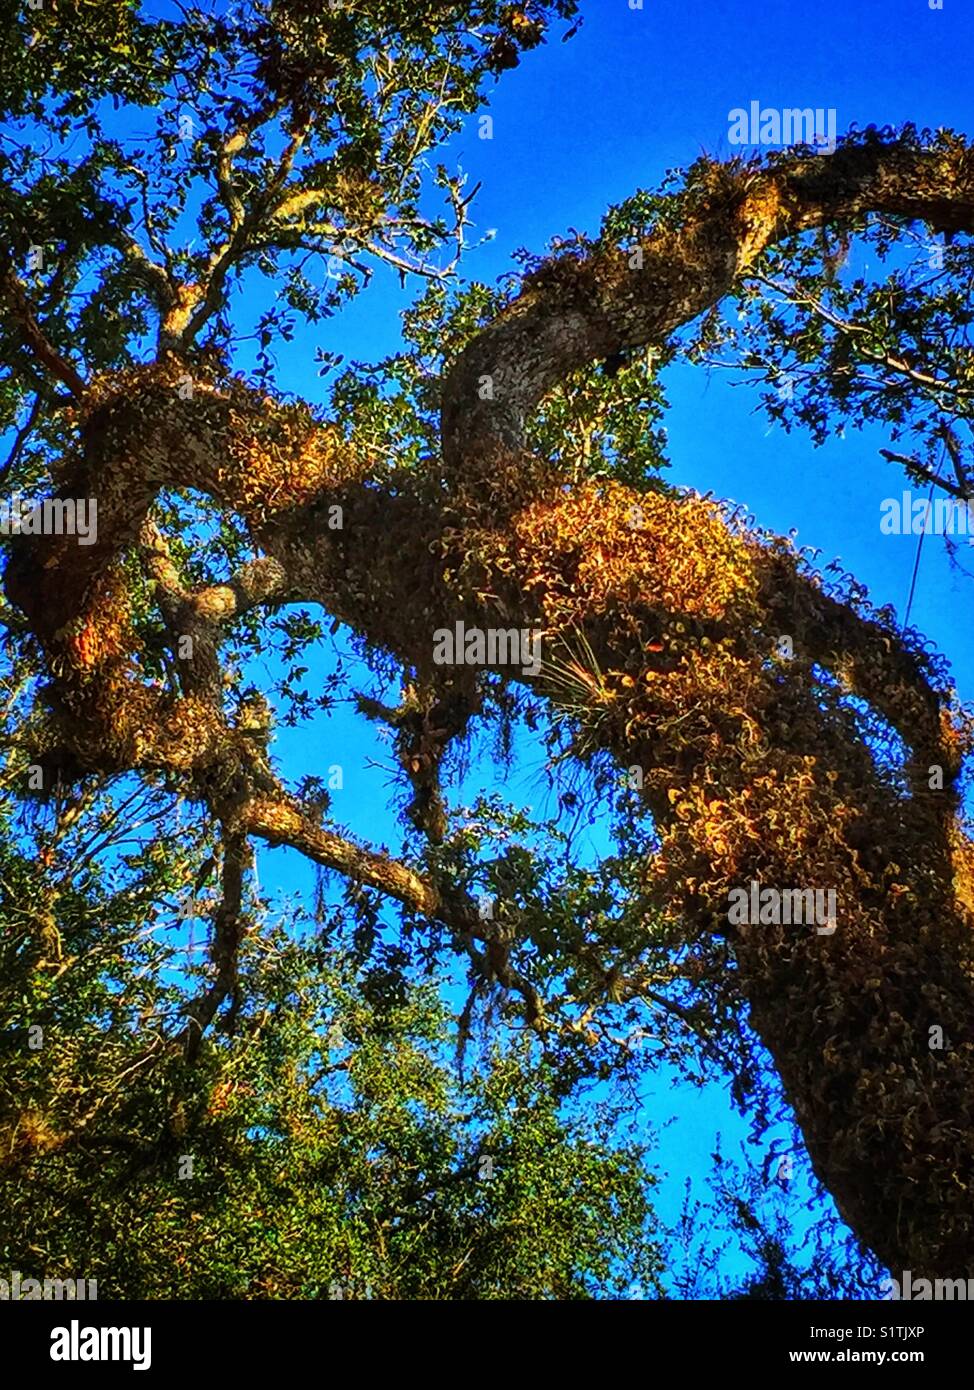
x=485 y=477
x=326 y=1148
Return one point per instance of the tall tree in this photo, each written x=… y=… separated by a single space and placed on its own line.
x=457 y=494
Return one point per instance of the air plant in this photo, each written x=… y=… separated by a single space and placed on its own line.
x=575 y=682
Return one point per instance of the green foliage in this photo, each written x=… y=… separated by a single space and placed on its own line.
x=328 y=1141
x=833 y=346
x=79 y=51
x=601 y=421
x=326 y=1147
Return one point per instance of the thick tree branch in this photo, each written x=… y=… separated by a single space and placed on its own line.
x=573 y=311
x=281 y=821
x=753 y=766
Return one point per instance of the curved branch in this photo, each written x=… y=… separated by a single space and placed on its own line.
x=574 y=311
x=752 y=770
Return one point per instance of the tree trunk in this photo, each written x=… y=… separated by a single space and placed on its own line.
x=753 y=766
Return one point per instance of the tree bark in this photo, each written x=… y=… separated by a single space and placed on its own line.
x=753 y=767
